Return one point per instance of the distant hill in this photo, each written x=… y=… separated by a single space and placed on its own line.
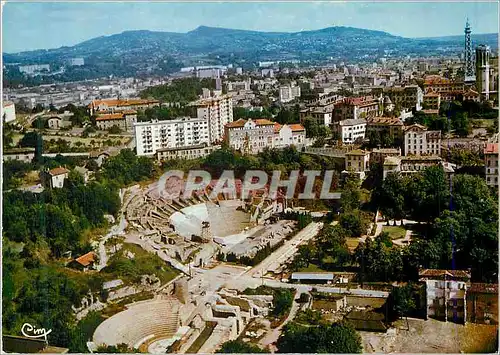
x=145 y=51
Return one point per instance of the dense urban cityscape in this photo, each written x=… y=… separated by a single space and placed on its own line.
x=233 y=191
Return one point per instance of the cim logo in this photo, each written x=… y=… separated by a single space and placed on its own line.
x=31 y=331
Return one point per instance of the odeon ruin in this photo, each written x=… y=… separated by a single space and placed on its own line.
x=194 y=313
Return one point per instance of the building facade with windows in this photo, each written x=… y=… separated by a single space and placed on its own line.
x=289 y=134
x=178 y=133
x=413 y=164
x=115 y=105
x=190 y=152
x=392 y=126
x=356 y=108
x=54 y=178
x=491 y=164
x=419 y=141
x=409 y=97
x=124 y=120
x=446 y=292
x=321 y=115
x=249 y=136
x=253 y=136
x=217 y=111
x=351 y=130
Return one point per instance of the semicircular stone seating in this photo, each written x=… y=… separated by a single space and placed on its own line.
x=140 y=322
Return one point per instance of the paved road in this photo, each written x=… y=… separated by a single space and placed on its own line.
x=272 y=336
x=285 y=252
x=116 y=230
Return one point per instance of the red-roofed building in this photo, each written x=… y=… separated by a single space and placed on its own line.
x=124 y=120
x=114 y=105
x=54 y=178
x=292 y=134
x=252 y=136
x=446 y=293
x=491 y=164
x=85 y=262
x=482 y=303
x=439 y=84
x=355 y=108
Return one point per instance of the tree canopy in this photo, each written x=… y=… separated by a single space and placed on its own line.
x=336 y=338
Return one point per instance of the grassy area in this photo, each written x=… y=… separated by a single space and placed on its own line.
x=312 y=268
x=395 y=232
x=480 y=338
x=352 y=243
x=482 y=123
x=143 y=263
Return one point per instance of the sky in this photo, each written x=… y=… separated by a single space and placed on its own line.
x=44 y=25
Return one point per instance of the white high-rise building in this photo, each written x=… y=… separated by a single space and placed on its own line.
x=8 y=112
x=182 y=132
x=288 y=93
x=217 y=111
x=483 y=71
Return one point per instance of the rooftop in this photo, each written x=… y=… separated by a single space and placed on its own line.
x=86 y=259
x=357 y=152
x=384 y=121
x=110 y=116
x=241 y=123
x=127 y=102
x=386 y=150
x=483 y=288
x=430 y=273
x=491 y=148
x=313 y=276
x=352 y=122
x=58 y=171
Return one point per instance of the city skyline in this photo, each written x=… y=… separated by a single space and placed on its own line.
x=67 y=24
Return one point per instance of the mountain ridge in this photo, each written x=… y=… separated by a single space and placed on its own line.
x=202 y=29
x=137 y=52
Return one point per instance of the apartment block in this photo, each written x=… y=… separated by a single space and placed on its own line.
x=356 y=108
x=446 y=292
x=189 y=152
x=124 y=120
x=357 y=161
x=392 y=126
x=250 y=136
x=178 y=133
x=491 y=164
x=351 y=130
x=289 y=93
x=409 y=97
x=321 y=115
x=419 y=141
x=114 y=105
x=412 y=164
x=432 y=101
x=217 y=111
x=439 y=84
x=253 y=136
x=289 y=134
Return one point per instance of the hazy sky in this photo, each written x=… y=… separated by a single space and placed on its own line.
x=29 y=26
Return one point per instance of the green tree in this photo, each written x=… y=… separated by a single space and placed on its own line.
x=239 y=347
x=403 y=300
x=334 y=338
x=116 y=349
x=115 y=130
x=390 y=197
